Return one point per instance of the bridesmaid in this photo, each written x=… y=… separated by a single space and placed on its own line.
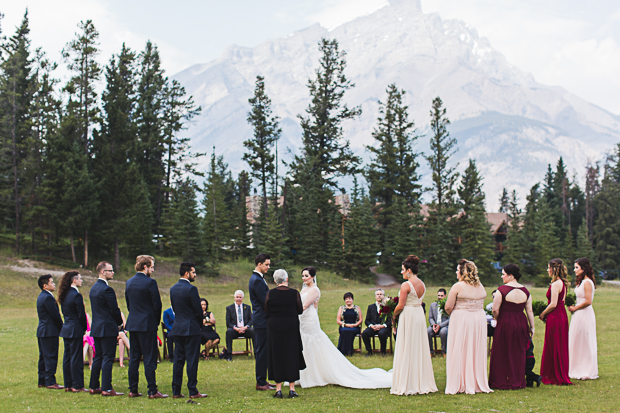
x=466 y=361
x=512 y=333
x=554 y=363
x=583 y=364
x=413 y=368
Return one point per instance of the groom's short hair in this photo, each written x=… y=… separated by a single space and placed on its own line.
x=261 y=258
x=44 y=280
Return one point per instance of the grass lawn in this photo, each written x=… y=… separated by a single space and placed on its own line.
x=230 y=385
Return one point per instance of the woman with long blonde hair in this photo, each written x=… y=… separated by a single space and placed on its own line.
x=554 y=362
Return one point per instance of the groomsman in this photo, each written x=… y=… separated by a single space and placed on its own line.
x=106 y=317
x=238 y=321
x=186 y=331
x=144 y=305
x=375 y=326
x=48 y=332
x=258 y=291
x=72 y=306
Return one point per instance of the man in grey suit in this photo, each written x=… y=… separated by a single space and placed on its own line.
x=438 y=321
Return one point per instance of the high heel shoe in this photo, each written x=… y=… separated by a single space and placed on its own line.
x=292 y=394
x=278 y=395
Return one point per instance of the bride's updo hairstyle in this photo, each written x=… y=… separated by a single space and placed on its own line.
x=469 y=272
x=411 y=263
x=311 y=271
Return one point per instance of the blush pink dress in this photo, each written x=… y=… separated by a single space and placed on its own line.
x=582 y=357
x=466 y=361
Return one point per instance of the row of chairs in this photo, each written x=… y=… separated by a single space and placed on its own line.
x=249 y=348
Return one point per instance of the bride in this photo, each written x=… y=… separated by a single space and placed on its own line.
x=325 y=364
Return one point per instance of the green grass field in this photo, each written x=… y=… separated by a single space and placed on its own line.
x=230 y=385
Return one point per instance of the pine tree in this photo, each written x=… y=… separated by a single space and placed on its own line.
x=584 y=245
x=441 y=248
x=138 y=218
x=547 y=242
x=186 y=239
x=260 y=156
x=16 y=95
x=392 y=171
x=477 y=242
x=272 y=239
x=243 y=230
x=504 y=201
x=515 y=243
x=404 y=234
x=360 y=246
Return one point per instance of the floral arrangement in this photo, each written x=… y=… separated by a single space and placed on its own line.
x=387 y=309
x=538 y=307
x=442 y=305
x=570 y=299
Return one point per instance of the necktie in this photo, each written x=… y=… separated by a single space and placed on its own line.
x=239 y=315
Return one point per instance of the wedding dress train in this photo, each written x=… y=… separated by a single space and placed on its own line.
x=325 y=364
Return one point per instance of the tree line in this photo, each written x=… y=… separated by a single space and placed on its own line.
x=99 y=176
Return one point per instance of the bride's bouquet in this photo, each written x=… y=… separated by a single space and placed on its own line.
x=387 y=309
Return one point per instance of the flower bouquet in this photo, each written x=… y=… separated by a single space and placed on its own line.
x=387 y=309
x=570 y=299
x=538 y=307
x=442 y=305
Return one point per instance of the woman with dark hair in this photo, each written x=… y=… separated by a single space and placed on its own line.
x=413 y=368
x=554 y=362
x=466 y=361
x=512 y=333
x=583 y=363
x=208 y=336
x=349 y=319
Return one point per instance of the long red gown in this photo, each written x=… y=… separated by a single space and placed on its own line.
x=507 y=371
x=554 y=363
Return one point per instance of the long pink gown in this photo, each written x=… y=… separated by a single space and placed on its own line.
x=582 y=357
x=466 y=361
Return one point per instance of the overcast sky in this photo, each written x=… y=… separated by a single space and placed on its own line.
x=570 y=43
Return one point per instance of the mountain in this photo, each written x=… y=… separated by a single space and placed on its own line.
x=510 y=124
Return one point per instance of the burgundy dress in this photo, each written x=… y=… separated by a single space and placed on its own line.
x=507 y=371
x=554 y=363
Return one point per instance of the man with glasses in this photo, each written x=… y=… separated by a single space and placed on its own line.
x=144 y=305
x=106 y=317
x=258 y=291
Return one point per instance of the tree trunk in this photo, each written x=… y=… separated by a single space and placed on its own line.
x=117 y=257
x=86 y=249
x=72 y=249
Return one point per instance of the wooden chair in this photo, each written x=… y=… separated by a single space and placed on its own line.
x=359 y=342
x=374 y=349
x=215 y=350
x=249 y=347
x=164 y=333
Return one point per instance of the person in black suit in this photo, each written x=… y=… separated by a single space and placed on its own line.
x=106 y=317
x=144 y=305
x=238 y=321
x=375 y=326
x=48 y=332
x=72 y=306
x=186 y=331
x=258 y=291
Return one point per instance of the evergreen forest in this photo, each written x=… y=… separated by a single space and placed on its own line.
x=97 y=169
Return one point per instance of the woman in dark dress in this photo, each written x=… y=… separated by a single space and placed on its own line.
x=512 y=333
x=554 y=362
x=283 y=306
x=349 y=319
x=208 y=336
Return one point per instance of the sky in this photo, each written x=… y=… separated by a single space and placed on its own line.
x=569 y=43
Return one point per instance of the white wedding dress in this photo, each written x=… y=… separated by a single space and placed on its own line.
x=325 y=364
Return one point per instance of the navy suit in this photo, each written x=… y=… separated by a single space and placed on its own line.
x=72 y=333
x=48 y=332
x=144 y=305
x=186 y=331
x=168 y=323
x=106 y=317
x=258 y=291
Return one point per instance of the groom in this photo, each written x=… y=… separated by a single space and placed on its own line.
x=258 y=291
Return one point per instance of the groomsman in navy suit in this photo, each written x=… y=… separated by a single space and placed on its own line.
x=72 y=306
x=48 y=332
x=186 y=331
x=258 y=291
x=144 y=305
x=106 y=317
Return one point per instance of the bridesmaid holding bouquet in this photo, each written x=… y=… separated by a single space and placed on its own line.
x=554 y=363
x=583 y=363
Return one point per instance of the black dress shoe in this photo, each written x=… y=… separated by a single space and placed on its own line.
x=292 y=394
x=369 y=354
x=278 y=395
x=538 y=381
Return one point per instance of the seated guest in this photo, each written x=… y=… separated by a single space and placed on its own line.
x=439 y=322
x=349 y=319
x=530 y=362
x=123 y=341
x=168 y=323
x=491 y=322
x=88 y=344
x=238 y=321
x=375 y=326
x=208 y=337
